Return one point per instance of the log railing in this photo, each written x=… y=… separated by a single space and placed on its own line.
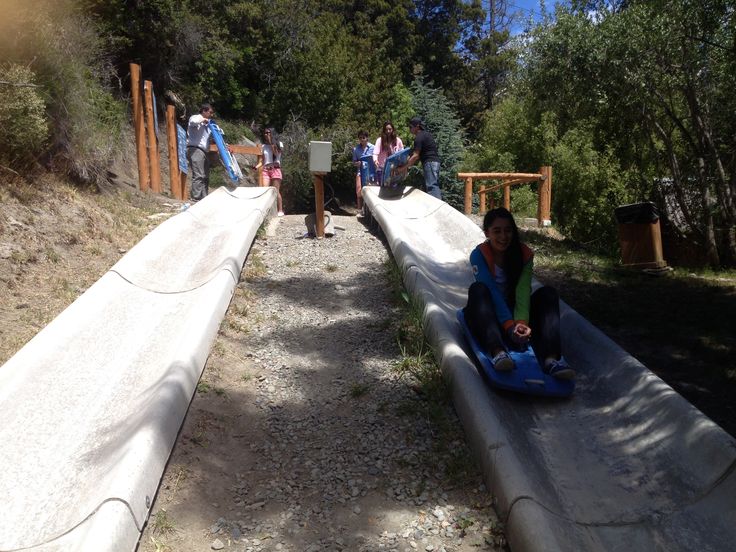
x=544 y=177
x=149 y=176
x=247 y=150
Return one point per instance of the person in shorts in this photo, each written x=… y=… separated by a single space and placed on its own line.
x=272 y=176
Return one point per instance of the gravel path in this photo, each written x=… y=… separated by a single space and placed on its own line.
x=302 y=437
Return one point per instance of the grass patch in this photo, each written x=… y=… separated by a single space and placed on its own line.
x=331 y=268
x=419 y=368
x=162 y=523
x=255 y=267
x=218 y=349
x=22 y=257
x=237 y=325
x=359 y=390
x=417 y=364
x=52 y=255
x=261 y=232
x=159 y=546
x=240 y=310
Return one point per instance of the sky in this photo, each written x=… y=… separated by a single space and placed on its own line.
x=524 y=10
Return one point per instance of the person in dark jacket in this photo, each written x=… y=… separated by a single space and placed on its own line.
x=425 y=150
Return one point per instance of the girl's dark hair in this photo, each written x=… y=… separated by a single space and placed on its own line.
x=513 y=258
x=274 y=139
x=386 y=144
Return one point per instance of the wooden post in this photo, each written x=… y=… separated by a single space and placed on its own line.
x=544 y=207
x=140 y=136
x=173 y=152
x=482 y=203
x=319 y=204
x=468 y=195
x=507 y=195
x=152 y=142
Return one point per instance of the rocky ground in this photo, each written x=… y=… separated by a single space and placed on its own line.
x=302 y=435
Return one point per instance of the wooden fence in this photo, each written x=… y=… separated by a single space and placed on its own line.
x=507 y=180
x=149 y=171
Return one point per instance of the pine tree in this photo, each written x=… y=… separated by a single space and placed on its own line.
x=440 y=120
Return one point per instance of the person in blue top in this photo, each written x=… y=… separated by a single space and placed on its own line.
x=364 y=147
x=502 y=312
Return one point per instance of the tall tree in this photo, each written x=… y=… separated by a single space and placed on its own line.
x=439 y=118
x=654 y=81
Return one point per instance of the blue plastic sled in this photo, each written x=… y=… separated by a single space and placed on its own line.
x=367 y=170
x=527 y=377
x=392 y=177
x=231 y=164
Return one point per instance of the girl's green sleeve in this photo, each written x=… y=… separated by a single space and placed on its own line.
x=523 y=293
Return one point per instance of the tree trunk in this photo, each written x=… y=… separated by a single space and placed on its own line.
x=711 y=246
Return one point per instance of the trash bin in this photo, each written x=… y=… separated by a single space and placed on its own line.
x=640 y=236
x=367 y=170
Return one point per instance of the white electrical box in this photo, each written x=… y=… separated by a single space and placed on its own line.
x=320 y=157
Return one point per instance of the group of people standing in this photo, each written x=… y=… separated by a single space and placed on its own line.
x=198 y=143
x=388 y=143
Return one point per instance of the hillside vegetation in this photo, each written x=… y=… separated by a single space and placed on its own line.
x=628 y=101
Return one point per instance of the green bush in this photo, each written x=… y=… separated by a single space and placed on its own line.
x=236 y=130
x=588 y=186
x=297 y=189
x=524 y=200
x=22 y=116
x=63 y=48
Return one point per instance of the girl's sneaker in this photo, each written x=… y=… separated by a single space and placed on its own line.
x=502 y=362
x=559 y=369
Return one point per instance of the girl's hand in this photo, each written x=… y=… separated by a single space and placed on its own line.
x=521 y=334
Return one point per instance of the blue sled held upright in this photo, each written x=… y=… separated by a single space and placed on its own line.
x=392 y=177
x=228 y=159
x=367 y=170
x=527 y=377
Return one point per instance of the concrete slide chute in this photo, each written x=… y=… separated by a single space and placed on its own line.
x=625 y=464
x=91 y=406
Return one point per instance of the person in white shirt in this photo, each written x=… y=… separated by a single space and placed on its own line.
x=198 y=145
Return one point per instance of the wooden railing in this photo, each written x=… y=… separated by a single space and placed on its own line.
x=544 y=177
x=248 y=150
x=149 y=176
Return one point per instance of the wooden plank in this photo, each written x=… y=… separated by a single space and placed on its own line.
x=174 y=177
x=319 y=203
x=244 y=150
x=544 y=207
x=468 y=202
x=490 y=176
x=153 y=156
x=140 y=134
